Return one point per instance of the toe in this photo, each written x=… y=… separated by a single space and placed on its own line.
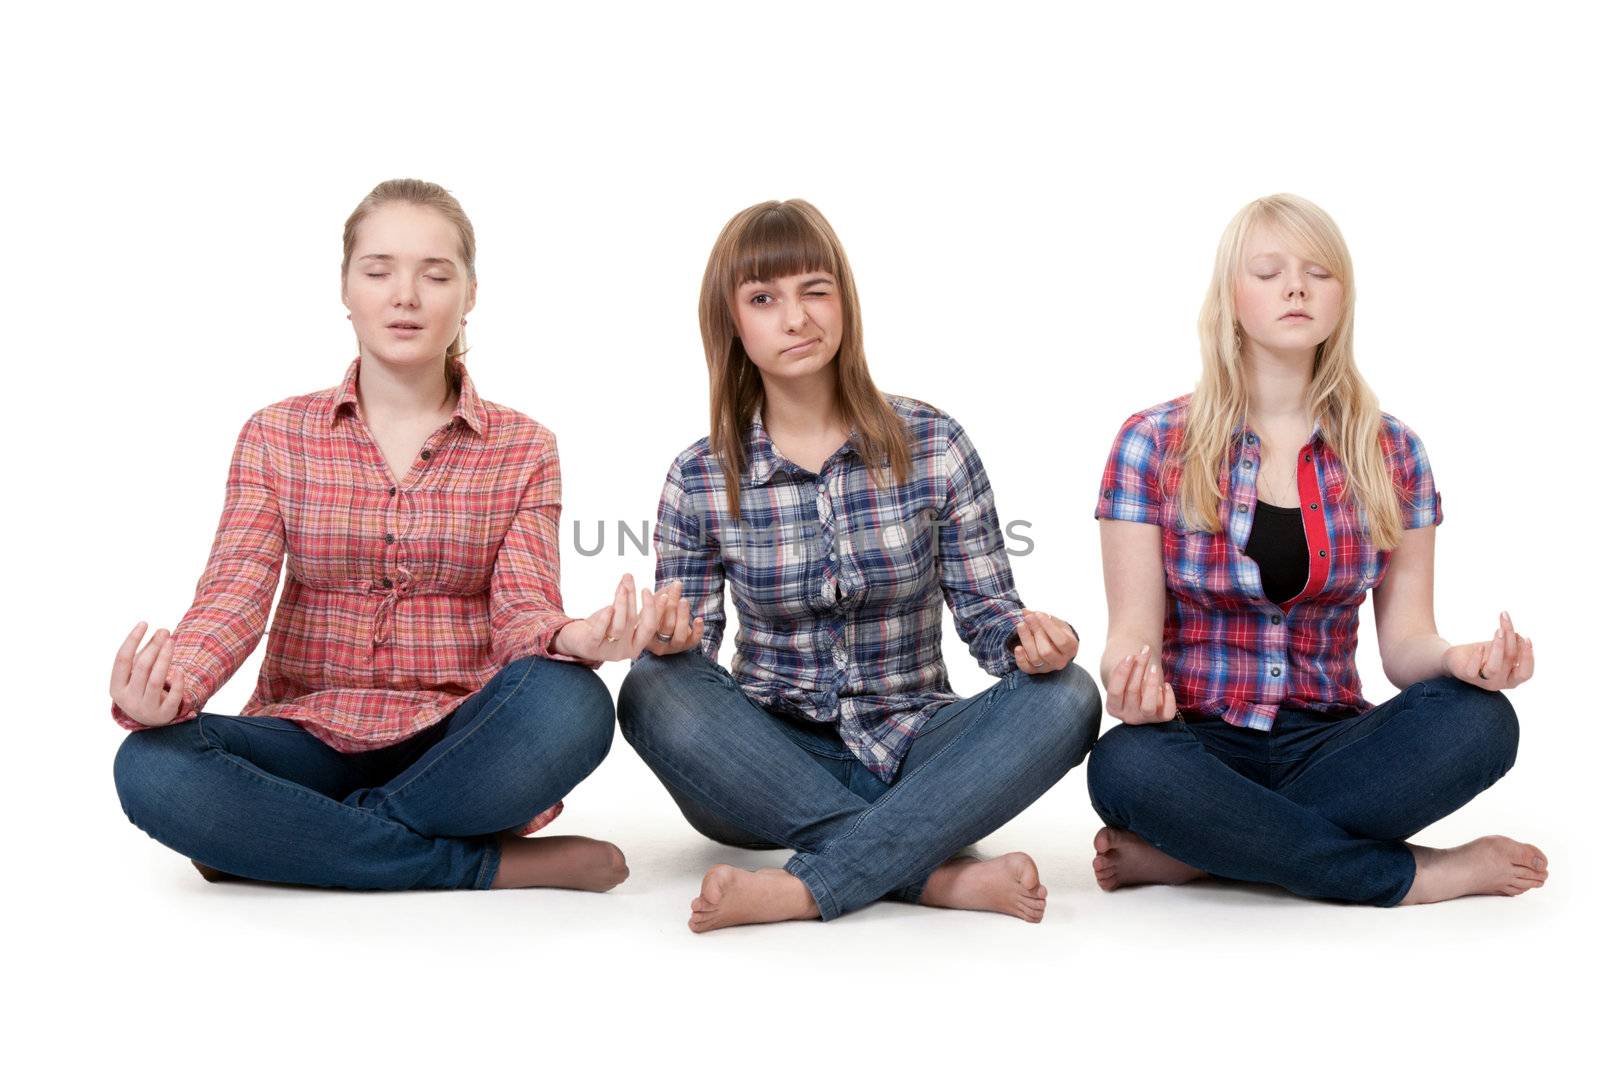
x=1103 y=839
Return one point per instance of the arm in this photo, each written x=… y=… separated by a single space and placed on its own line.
x=525 y=613
x=973 y=568
x=1136 y=591
x=686 y=553
x=1408 y=638
x=234 y=596
x=1129 y=510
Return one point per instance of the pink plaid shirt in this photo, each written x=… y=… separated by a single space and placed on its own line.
x=401 y=600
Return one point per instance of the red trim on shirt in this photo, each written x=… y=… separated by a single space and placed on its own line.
x=1316 y=527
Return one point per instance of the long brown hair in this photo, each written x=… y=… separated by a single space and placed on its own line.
x=1338 y=397
x=776 y=239
x=422 y=194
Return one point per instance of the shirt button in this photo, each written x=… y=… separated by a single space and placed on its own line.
x=1107 y=494
x=1243 y=508
x=1313 y=507
x=1276 y=671
x=388 y=539
x=1322 y=552
x=427 y=454
x=388 y=583
x=391 y=490
x=833 y=556
x=1276 y=619
x=1308 y=457
x=1248 y=464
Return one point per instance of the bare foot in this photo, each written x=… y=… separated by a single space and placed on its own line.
x=733 y=897
x=1489 y=866
x=1008 y=885
x=559 y=862
x=1122 y=858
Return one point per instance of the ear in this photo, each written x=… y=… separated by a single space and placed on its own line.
x=472 y=296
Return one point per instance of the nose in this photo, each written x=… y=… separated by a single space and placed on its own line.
x=405 y=290
x=794 y=316
x=1294 y=285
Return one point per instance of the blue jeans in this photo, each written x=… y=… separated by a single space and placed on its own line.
x=747 y=777
x=1320 y=805
x=260 y=798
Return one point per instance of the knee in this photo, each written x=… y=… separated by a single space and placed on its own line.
x=150 y=771
x=1073 y=708
x=1485 y=722
x=1117 y=767
x=577 y=696
x=650 y=696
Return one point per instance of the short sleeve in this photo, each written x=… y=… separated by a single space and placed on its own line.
x=1130 y=487
x=1420 y=503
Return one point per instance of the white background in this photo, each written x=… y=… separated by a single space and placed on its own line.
x=1031 y=198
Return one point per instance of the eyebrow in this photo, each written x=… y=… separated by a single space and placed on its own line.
x=815 y=279
x=431 y=261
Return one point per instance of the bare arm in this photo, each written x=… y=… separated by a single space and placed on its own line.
x=1408 y=637
x=1136 y=602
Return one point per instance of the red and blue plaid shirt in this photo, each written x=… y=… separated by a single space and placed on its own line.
x=402 y=598
x=1227 y=650
x=838 y=581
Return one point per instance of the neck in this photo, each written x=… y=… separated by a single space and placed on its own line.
x=1278 y=381
x=801 y=407
x=392 y=393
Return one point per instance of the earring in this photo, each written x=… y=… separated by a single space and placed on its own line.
x=463 y=322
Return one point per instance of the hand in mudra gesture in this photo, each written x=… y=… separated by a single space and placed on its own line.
x=144 y=683
x=634 y=621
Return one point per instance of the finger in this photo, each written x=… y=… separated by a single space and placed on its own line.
x=619 y=606
x=174 y=698
x=630 y=601
x=1028 y=645
x=1509 y=641
x=1150 y=688
x=155 y=685
x=1497 y=662
x=1050 y=653
x=1169 y=708
x=599 y=627
x=1117 y=683
x=1060 y=633
x=122 y=666
x=645 y=630
x=140 y=677
x=1524 y=668
x=681 y=624
x=697 y=634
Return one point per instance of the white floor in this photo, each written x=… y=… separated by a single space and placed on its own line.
x=151 y=956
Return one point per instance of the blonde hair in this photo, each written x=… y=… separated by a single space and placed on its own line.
x=776 y=239
x=1339 y=398
x=422 y=194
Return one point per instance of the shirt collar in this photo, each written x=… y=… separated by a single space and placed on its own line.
x=762 y=459
x=469 y=406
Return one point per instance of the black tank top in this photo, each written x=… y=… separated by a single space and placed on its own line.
x=1278 y=545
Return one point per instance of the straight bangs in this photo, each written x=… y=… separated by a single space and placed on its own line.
x=1308 y=231
x=780 y=242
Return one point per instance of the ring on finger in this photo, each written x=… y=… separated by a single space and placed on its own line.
x=665 y=639
x=1481 y=675
x=1036 y=663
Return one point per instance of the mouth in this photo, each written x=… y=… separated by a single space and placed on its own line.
x=1295 y=316
x=404 y=328
x=802 y=348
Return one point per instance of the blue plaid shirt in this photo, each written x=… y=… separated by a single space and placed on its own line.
x=838 y=580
